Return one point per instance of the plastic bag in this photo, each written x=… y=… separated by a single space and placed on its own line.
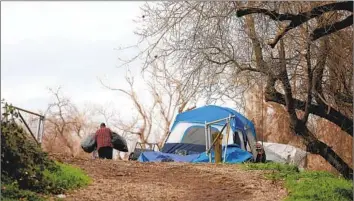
x=119 y=142
x=88 y=144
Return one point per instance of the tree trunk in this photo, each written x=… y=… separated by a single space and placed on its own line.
x=315 y=146
x=299 y=127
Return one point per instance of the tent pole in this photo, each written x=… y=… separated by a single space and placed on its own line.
x=209 y=142
x=227 y=136
x=218 y=136
x=262 y=112
x=219 y=120
x=42 y=132
x=39 y=129
x=206 y=138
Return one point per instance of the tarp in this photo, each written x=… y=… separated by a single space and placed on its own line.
x=190 y=148
x=234 y=155
x=283 y=153
x=211 y=113
x=160 y=157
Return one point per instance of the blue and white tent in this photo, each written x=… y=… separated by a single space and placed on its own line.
x=188 y=130
x=187 y=141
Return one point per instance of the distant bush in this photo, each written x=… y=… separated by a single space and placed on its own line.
x=307 y=185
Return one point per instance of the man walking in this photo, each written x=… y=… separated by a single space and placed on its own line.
x=104 y=142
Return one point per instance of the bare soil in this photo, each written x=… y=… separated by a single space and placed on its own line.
x=133 y=181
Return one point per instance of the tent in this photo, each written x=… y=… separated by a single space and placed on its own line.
x=188 y=130
x=233 y=155
x=187 y=140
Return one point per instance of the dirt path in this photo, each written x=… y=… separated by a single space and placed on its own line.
x=130 y=181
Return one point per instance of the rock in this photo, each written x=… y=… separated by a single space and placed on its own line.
x=61 y=196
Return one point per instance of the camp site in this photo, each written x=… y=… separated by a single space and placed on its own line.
x=177 y=100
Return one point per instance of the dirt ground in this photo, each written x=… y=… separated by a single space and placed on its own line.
x=132 y=181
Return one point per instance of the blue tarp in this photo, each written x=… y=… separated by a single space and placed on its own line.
x=159 y=156
x=190 y=148
x=234 y=155
x=212 y=113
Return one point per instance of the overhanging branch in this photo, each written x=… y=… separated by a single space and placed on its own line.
x=345 y=123
x=297 y=20
x=323 y=31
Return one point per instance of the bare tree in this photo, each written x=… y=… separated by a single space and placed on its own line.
x=194 y=57
x=297 y=20
x=82 y=123
x=321 y=109
x=223 y=56
x=313 y=71
x=170 y=96
x=61 y=117
x=144 y=113
x=108 y=114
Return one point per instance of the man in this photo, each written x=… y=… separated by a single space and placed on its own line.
x=261 y=156
x=104 y=142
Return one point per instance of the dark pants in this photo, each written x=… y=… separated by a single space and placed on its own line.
x=261 y=158
x=105 y=152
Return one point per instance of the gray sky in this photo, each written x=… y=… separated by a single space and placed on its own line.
x=68 y=44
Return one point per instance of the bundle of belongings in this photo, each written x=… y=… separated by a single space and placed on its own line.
x=89 y=144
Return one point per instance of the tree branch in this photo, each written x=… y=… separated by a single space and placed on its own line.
x=323 y=31
x=334 y=116
x=297 y=20
x=309 y=83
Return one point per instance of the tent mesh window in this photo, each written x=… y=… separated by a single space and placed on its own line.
x=196 y=135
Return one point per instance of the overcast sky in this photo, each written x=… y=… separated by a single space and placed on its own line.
x=68 y=44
